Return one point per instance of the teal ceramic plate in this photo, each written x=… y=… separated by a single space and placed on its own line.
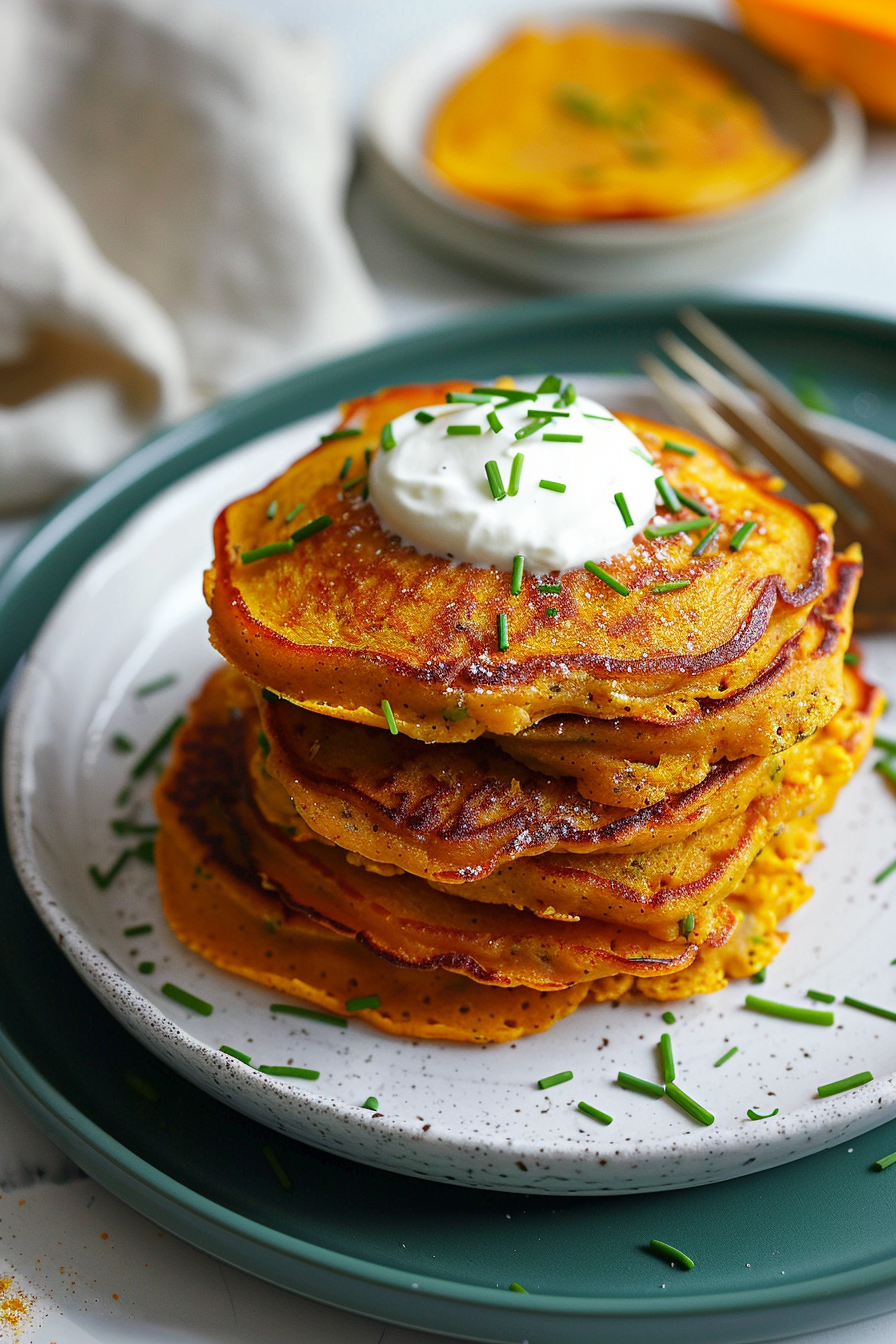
x=798 y=1248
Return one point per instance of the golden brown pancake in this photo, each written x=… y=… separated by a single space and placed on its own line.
x=351 y=617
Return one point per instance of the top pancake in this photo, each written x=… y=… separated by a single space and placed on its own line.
x=351 y=617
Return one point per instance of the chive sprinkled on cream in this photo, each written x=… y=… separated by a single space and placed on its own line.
x=276 y=1167
x=160 y=684
x=288 y=1071
x=694 y=505
x=634 y=1084
x=602 y=574
x=587 y=1109
x=518 y=1288
x=556 y=486
x=495 y=484
x=346 y=468
x=643 y=454
x=475 y=397
x=516 y=577
x=516 y=471
x=495 y=423
x=272 y=509
x=667 y=1059
x=263 y=552
x=869 y=1007
x=740 y=536
x=623 y=508
x=564 y=438
x=671 y=1253
x=389 y=717
x=815 y=1016
x=755 y=1115
x=550 y=384
x=509 y=394
x=845 y=1084
x=667 y=494
x=309 y=530
x=503 y=641
x=609 y=418
x=161 y=744
x=890 y=868
x=137 y=930
x=535 y=426
x=568 y=395
x=340 y=434
x=310 y=1013
x=387 y=437
x=883 y=1162
x=297 y=508
x=669 y=1017
x=689 y=1105
x=554 y=1078
x=371 y=1104
x=463 y=429
x=672 y=529
x=679 y=448
x=820 y=996
x=424 y=418
x=549 y=415
x=187 y=999
x=365 y=1001
x=235 y=1054
x=673 y=586
x=725 y=1058
x=705 y=542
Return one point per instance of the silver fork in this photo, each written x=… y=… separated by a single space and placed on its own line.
x=759 y=412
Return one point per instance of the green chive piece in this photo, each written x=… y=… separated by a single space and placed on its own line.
x=595 y=1114
x=476 y=397
x=890 y=868
x=671 y=1253
x=550 y=384
x=669 y=1017
x=667 y=1059
x=550 y=588
x=740 y=536
x=633 y=1084
x=122 y=744
x=845 y=1084
x=851 y=658
x=276 y=1168
x=556 y=486
x=705 y=542
x=509 y=394
x=882 y=743
x=309 y=1013
x=869 y=1008
x=272 y=508
x=638 y=452
x=293 y=511
x=123 y=796
x=673 y=586
x=602 y=574
x=725 y=1058
x=264 y=743
x=340 y=434
x=564 y=438
x=820 y=996
x=495 y=423
x=516 y=471
x=535 y=426
x=568 y=395
x=495 y=484
x=424 y=417
x=622 y=506
x=759 y=977
x=123 y=826
x=390 y=717
x=137 y=930
x=162 y=743
x=365 y=1001
x=160 y=684
x=503 y=641
x=689 y=1105
x=516 y=578
x=146 y=967
x=316 y=525
x=687 y=925
x=262 y=552
x=883 y=1162
x=287 y=1071
x=554 y=1078
x=463 y=429
x=105 y=880
x=518 y=1288
x=188 y=1000
x=694 y=505
x=679 y=448
x=886 y=768
x=667 y=494
x=672 y=529
x=754 y=1115
x=235 y=1054
x=549 y=415
x=371 y=1104
x=609 y=419
x=551 y=611
x=346 y=468
x=455 y=714
x=772 y=1009
x=356 y=480
x=387 y=437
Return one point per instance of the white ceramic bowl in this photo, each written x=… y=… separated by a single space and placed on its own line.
x=619 y=255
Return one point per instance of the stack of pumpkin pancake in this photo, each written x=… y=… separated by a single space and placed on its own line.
x=372 y=803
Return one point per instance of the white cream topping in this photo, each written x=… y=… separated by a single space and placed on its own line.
x=432 y=490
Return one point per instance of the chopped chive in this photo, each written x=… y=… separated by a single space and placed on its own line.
x=340 y=434
x=851 y=658
x=568 y=395
x=276 y=1168
x=679 y=448
x=495 y=484
x=686 y=925
x=516 y=578
x=883 y=1162
x=595 y=1114
x=316 y=525
x=550 y=588
x=356 y=480
x=104 y=880
x=704 y=542
x=609 y=419
x=890 y=868
x=390 y=717
x=673 y=586
x=671 y=1253
x=365 y=1001
x=495 y=423
x=424 y=417
x=535 y=426
x=667 y=1059
x=599 y=573
x=293 y=511
x=346 y=468
x=556 y=486
x=516 y=471
x=672 y=529
x=694 y=505
x=550 y=384
x=476 y=397
x=162 y=742
x=137 y=930
x=146 y=967
x=886 y=768
x=122 y=744
x=160 y=684
x=882 y=743
x=272 y=508
x=772 y=1009
x=463 y=429
x=633 y=1084
x=563 y=438
x=725 y=1058
x=759 y=977
x=667 y=494
x=456 y=713
x=549 y=415
x=503 y=641
x=123 y=796
x=820 y=996
x=622 y=506
x=518 y=1288
x=310 y=1013
x=740 y=536
x=188 y=1000
x=263 y=742
x=755 y=1115
x=638 y=452
x=551 y=611
x=845 y=1084
x=262 y=552
x=387 y=437
x=669 y=1017
x=869 y=1008
x=146 y=851
x=509 y=394
x=554 y=1078
x=287 y=1071
x=371 y=1104
x=689 y=1105
x=235 y=1054
x=124 y=826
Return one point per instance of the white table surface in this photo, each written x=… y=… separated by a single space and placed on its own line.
x=135 y=1284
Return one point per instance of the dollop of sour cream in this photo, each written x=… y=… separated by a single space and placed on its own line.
x=432 y=489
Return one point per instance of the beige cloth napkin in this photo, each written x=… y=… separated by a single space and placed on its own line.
x=171 y=179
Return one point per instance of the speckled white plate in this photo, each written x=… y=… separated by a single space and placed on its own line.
x=469 y=1114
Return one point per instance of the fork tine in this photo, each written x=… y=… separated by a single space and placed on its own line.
x=681 y=397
